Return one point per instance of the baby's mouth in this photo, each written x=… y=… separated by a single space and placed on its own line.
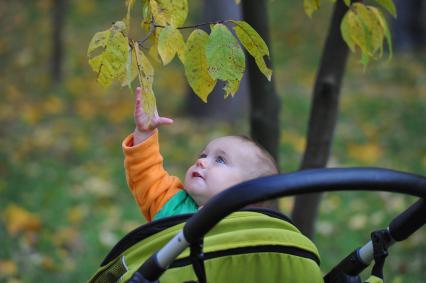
x=197 y=175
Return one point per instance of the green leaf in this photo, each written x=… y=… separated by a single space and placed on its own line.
x=196 y=69
x=388 y=5
x=170 y=42
x=311 y=6
x=225 y=58
x=108 y=53
x=254 y=44
x=348 y=2
x=179 y=12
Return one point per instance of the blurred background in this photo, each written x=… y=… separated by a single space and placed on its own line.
x=64 y=200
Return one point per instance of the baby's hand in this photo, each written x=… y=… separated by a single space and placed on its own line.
x=144 y=127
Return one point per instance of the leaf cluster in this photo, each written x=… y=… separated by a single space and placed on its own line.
x=364 y=27
x=206 y=58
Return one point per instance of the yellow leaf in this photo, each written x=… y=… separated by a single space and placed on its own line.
x=8 y=268
x=366 y=153
x=386 y=30
x=311 y=6
x=161 y=11
x=19 y=219
x=179 y=12
x=254 y=44
x=196 y=69
x=170 y=42
x=374 y=33
x=153 y=50
x=364 y=26
x=146 y=80
x=76 y=214
x=107 y=53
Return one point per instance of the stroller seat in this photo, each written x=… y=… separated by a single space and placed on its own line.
x=246 y=246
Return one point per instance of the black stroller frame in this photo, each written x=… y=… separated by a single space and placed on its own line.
x=291 y=184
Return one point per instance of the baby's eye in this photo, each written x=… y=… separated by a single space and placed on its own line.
x=220 y=159
x=202 y=155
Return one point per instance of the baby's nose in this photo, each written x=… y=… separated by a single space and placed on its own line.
x=201 y=162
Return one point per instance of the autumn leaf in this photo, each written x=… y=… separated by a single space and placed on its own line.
x=311 y=6
x=153 y=50
x=146 y=80
x=19 y=219
x=386 y=31
x=107 y=52
x=179 y=12
x=254 y=44
x=161 y=11
x=170 y=42
x=366 y=153
x=196 y=69
x=225 y=58
x=364 y=27
x=8 y=268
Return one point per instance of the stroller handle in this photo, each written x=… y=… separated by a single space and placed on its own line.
x=297 y=183
x=291 y=184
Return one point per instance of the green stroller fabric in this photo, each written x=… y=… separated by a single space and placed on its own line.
x=246 y=246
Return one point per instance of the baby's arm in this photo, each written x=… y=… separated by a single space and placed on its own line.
x=149 y=183
x=144 y=128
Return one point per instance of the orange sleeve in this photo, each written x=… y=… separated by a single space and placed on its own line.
x=149 y=183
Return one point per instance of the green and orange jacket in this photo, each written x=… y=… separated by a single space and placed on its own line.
x=157 y=193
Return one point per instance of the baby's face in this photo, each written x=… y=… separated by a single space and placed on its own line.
x=224 y=162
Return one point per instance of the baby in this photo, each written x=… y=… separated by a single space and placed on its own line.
x=224 y=162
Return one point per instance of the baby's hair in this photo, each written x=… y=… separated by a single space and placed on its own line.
x=267 y=165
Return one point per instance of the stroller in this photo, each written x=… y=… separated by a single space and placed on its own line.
x=223 y=242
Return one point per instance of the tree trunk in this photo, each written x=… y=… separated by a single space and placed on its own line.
x=323 y=116
x=218 y=108
x=408 y=29
x=264 y=102
x=58 y=14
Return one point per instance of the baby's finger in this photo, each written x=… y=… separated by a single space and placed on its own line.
x=165 y=121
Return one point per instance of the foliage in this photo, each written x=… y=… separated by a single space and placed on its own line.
x=206 y=58
x=363 y=27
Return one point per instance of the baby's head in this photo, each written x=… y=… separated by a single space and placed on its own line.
x=225 y=162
